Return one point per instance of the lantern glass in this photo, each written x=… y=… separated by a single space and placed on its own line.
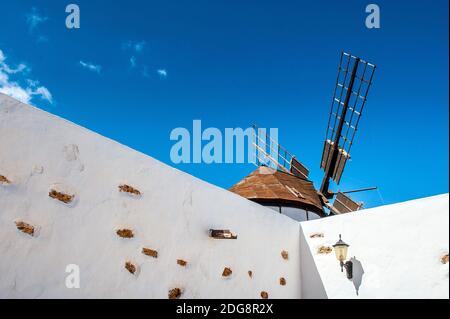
x=341 y=252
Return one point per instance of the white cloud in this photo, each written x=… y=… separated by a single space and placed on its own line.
x=133 y=61
x=34 y=19
x=14 y=89
x=32 y=83
x=91 y=67
x=139 y=46
x=21 y=67
x=136 y=46
x=162 y=73
x=3 y=78
x=25 y=95
x=17 y=92
x=44 y=93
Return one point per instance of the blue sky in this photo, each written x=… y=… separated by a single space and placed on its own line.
x=135 y=70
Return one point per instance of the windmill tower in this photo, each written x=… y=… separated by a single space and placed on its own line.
x=281 y=181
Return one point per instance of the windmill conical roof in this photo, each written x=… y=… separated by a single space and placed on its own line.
x=267 y=185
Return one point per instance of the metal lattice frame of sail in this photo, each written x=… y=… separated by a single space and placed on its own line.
x=358 y=97
x=269 y=152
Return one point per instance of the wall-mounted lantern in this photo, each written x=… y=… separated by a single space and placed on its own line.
x=340 y=248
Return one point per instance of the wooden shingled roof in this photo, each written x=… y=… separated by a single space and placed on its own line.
x=267 y=185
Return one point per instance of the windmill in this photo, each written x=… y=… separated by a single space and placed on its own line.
x=289 y=185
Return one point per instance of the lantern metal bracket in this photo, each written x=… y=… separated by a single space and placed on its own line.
x=348 y=268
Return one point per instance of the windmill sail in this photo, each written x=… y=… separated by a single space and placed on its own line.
x=353 y=82
x=344 y=204
x=343 y=156
x=298 y=169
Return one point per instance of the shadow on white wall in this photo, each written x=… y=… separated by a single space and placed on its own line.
x=358 y=273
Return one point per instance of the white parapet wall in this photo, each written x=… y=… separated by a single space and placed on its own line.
x=397 y=252
x=41 y=152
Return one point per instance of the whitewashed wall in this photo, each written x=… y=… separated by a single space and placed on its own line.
x=173 y=216
x=396 y=252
